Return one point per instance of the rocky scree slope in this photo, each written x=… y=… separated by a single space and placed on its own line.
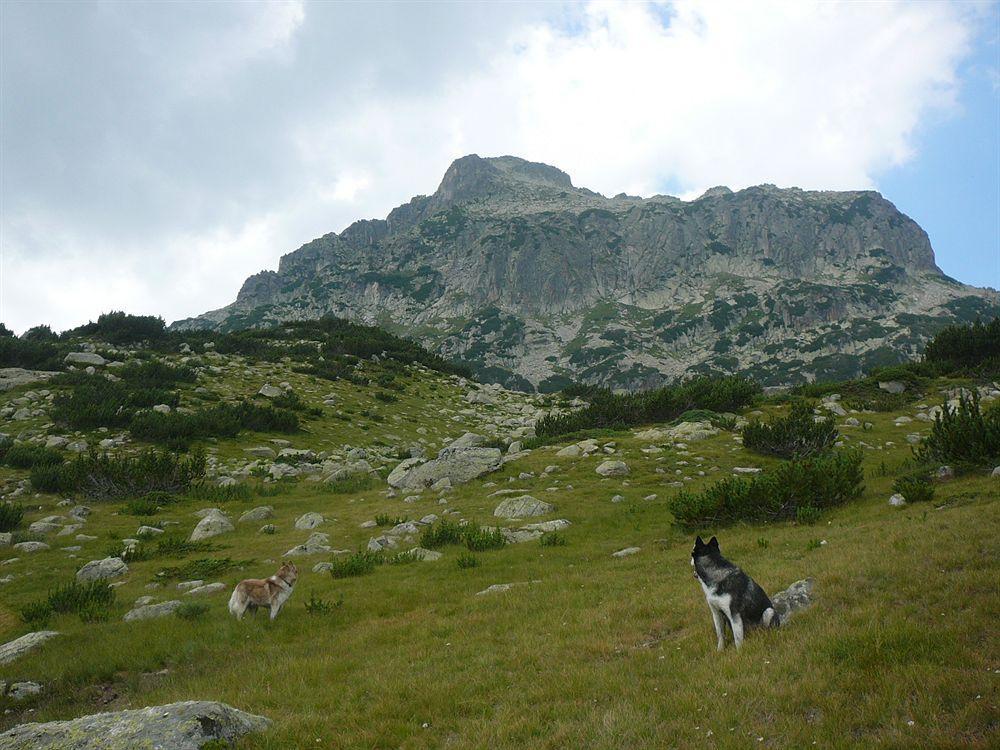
x=539 y=283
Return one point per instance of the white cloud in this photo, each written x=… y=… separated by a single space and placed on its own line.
x=623 y=96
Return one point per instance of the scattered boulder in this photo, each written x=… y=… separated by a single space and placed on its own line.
x=101 y=570
x=188 y=725
x=31 y=546
x=308 y=521
x=316 y=543
x=208 y=588
x=152 y=611
x=944 y=473
x=85 y=358
x=524 y=506
x=469 y=440
x=892 y=386
x=626 y=552
x=570 y=451
x=897 y=501
x=425 y=555
x=261 y=451
x=690 y=431
x=260 y=513
x=21 y=690
x=270 y=391
x=20 y=646
x=613 y=469
x=212 y=524
x=795 y=598
x=457 y=465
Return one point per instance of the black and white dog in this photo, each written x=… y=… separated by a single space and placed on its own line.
x=731 y=593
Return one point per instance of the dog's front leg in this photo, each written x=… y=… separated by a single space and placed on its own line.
x=720 y=628
x=737 y=624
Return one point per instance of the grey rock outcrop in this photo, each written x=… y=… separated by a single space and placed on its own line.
x=152 y=611
x=458 y=465
x=20 y=646
x=524 y=506
x=101 y=570
x=212 y=524
x=187 y=725
x=795 y=598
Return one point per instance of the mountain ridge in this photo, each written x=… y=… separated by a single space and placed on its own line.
x=539 y=283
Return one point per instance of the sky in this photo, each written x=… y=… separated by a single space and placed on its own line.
x=155 y=154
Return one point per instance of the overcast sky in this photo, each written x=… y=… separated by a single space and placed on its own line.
x=156 y=154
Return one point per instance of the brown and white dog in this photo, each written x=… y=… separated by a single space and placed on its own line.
x=272 y=592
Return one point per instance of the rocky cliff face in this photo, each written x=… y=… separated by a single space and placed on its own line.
x=537 y=283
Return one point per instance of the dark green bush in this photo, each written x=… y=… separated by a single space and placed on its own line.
x=94 y=401
x=621 y=410
x=102 y=476
x=31 y=355
x=192 y=610
x=973 y=347
x=552 y=539
x=472 y=535
x=88 y=598
x=178 y=430
x=117 y=327
x=467 y=560
x=775 y=495
x=10 y=516
x=214 y=493
x=796 y=435
x=29 y=455
x=915 y=487
x=357 y=564
x=966 y=436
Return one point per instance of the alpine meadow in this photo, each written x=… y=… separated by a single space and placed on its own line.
x=405 y=375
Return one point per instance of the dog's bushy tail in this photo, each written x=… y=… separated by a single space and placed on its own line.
x=770 y=618
x=234 y=602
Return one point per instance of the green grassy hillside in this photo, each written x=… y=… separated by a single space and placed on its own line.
x=900 y=648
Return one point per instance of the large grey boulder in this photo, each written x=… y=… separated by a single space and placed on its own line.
x=458 y=465
x=20 y=646
x=308 y=521
x=469 y=440
x=212 y=524
x=316 y=543
x=795 y=598
x=691 y=431
x=100 y=570
x=524 y=506
x=84 y=358
x=612 y=469
x=187 y=725
x=152 y=611
x=270 y=391
x=892 y=386
x=260 y=513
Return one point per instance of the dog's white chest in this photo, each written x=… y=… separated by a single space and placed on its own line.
x=716 y=601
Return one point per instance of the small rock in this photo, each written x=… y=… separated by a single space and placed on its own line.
x=151 y=611
x=626 y=552
x=612 y=469
x=897 y=501
x=100 y=570
x=309 y=521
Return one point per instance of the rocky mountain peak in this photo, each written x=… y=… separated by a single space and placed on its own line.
x=472 y=177
x=538 y=283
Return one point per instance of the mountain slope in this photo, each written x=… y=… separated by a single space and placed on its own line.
x=537 y=283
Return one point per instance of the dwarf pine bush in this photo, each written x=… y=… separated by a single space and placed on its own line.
x=621 y=410
x=28 y=455
x=359 y=563
x=915 y=487
x=776 y=495
x=796 y=435
x=965 y=435
x=103 y=476
x=10 y=516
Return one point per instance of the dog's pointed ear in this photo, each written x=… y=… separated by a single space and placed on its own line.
x=713 y=542
x=698 y=542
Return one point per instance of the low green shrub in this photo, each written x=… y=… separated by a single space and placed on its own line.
x=92 y=601
x=621 y=410
x=103 y=476
x=29 y=455
x=467 y=560
x=10 y=516
x=778 y=494
x=472 y=536
x=966 y=436
x=359 y=563
x=383 y=519
x=179 y=429
x=351 y=483
x=149 y=504
x=317 y=605
x=796 y=435
x=192 y=610
x=202 y=568
x=552 y=539
x=915 y=487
